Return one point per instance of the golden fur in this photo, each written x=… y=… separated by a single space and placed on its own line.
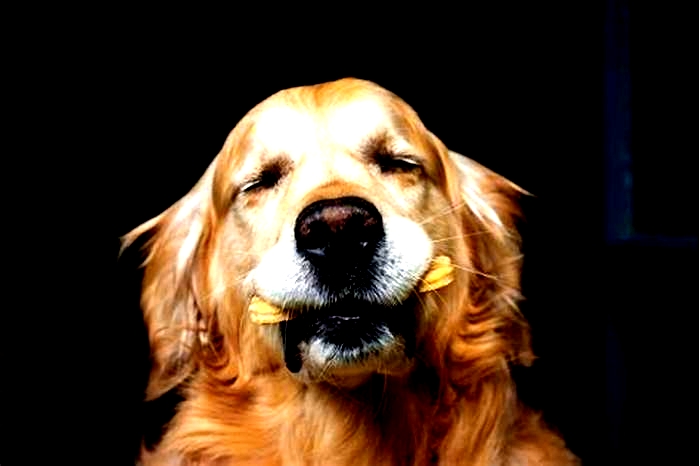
x=453 y=403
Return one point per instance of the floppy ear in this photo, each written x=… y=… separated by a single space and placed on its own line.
x=489 y=225
x=171 y=290
x=489 y=196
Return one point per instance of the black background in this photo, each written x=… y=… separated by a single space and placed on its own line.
x=142 y=101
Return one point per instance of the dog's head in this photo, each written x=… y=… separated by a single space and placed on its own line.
x=330 y=201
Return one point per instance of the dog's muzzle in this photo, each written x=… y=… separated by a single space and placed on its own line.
x=345 y=275
x=339 y=238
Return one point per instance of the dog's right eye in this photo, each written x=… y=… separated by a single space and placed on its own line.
x=265 y=180
x=397 y=164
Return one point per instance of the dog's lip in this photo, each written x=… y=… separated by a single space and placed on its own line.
x=337 y=307
x=348 y=325
x=342 y=309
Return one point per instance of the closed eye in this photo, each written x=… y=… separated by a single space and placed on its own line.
x=268 y=179
x=389 y=163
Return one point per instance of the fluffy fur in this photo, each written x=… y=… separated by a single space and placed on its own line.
x=449 y=400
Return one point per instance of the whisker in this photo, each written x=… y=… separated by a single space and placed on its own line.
x=476 y=272
x=443 y=212
x=465 y=235
x=329 y=362
x=421 y=300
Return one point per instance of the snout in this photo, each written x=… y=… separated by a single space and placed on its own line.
x=339 y=237
x=346 y=267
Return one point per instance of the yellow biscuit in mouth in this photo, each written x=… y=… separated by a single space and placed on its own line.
x=262 y=312
x=439 y=275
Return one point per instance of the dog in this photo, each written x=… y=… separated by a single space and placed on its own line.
x=329 y=202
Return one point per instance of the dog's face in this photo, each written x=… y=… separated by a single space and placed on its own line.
x=332 y=198
x=330 y=202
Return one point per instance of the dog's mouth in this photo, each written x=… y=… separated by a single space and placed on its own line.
x=349 y=337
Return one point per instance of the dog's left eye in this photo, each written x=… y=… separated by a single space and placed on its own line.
x=397 y=164
x=265 y=180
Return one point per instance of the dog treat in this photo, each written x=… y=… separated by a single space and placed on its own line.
x=440 y=274
x=262 y=312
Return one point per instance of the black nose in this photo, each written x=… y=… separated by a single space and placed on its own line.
x=339 y=233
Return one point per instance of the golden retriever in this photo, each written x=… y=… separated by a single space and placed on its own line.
x=329 y=202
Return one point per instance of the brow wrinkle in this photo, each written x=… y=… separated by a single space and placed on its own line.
x=278 y=164
x=375 y=143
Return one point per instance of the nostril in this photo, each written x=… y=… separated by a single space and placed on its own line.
x=344 y=230
x=314 y=237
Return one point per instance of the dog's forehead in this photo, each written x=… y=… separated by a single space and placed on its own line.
x=295 y=127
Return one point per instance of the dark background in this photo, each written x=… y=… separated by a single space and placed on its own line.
x=566 y=99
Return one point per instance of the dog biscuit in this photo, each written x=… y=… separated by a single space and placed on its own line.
x=440 y=274
x=262 y=312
